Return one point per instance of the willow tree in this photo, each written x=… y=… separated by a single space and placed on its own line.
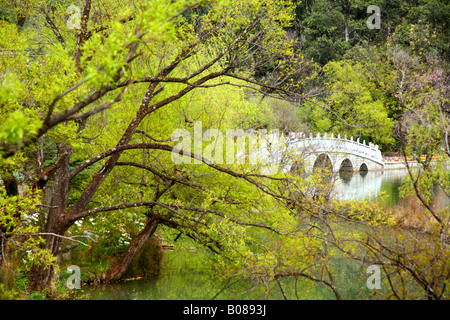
x=138 y=56
x=414 y=87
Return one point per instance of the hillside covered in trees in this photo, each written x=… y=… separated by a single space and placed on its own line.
x=96 y=96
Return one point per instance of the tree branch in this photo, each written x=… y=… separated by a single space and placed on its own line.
x=54 y=28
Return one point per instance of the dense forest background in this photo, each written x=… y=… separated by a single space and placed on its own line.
x=92 y=92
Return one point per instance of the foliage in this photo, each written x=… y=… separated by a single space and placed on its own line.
x=87 y=122
x=354 y=105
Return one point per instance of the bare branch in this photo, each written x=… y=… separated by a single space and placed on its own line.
x=305 y=275
x=54 y=28
x=59 y=236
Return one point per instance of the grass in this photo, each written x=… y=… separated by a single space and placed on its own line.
x=411 y=214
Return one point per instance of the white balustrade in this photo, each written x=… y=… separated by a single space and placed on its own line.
x=336 y=144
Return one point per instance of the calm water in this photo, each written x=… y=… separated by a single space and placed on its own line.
x=193 y=284
x=370 y=185
x=183 y=277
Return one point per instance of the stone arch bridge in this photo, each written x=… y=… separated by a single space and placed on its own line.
x=336 y=153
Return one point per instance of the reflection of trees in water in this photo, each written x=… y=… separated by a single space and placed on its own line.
x=363 y=173
x=359 y=185
x=346 y=176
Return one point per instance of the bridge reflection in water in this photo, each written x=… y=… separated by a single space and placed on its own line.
x=368 y=184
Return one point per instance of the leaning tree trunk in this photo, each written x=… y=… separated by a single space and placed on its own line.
x=118 y=269
x=57 y=220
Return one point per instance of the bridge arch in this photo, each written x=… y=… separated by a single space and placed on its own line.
x=363 y=167
x=322 y=162
x=346 y=165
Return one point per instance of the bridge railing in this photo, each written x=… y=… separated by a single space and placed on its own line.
x=323 y=142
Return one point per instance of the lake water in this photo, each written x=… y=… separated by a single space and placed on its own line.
x=370 y=184
x=180 y=278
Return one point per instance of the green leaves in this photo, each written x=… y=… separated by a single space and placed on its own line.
x=17 y=125
x=356 y=109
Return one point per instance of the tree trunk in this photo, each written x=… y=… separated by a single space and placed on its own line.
x=309 y=5
x=118 y=269
x=57 y=220
x=41 y=275
x=11 y=186
x=12 y=189
x=3 y=240
x=346 y=25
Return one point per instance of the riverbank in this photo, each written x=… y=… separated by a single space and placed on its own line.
x=400 y=165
